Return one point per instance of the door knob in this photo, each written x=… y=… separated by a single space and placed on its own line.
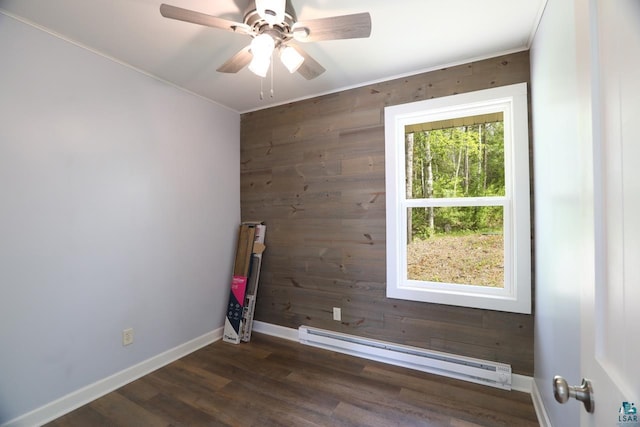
x=584 y=392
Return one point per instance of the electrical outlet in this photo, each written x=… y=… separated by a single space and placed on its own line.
x=337 y=313
x=127 y=336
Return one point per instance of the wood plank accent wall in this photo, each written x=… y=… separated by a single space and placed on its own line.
x=314 y=172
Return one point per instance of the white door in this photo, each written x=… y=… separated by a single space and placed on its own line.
x=610 y=315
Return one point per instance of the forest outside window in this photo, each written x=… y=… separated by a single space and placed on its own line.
x=457 y=178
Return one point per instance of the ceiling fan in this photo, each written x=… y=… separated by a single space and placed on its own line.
x=273 y=27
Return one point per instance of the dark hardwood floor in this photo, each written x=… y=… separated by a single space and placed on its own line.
x=271 y=381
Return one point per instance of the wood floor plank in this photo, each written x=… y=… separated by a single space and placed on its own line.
x=124 y=412
x=140 y=390
x=294 y=397
x=381 y=400
x=275 y=382
x=450 y=389
x=82 y=417
x=282 y=408
x=178 y=412
x=367 y=416
x=462 y=423
x=464 y=410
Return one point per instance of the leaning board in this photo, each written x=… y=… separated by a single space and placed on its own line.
x=247 y=236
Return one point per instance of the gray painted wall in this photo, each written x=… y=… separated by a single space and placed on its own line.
x=119 y=202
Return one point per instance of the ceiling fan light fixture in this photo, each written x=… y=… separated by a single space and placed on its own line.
x=262 y=45
x=291 y=58
x=272 y=24
x=261 y=48
x=272 y=11
x=260 y=66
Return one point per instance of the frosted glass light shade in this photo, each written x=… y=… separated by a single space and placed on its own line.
x=260 y=66
x=261 y=48
x=291 y=59
x=262 y=45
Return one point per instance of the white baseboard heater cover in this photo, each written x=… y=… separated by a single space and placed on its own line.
x=464 y=368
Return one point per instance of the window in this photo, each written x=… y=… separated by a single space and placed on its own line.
x=457 y=183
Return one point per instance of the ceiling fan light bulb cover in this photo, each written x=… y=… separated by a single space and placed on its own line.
x=272 y=11
x=260 y=66
x=291 y=59
x=262 y=46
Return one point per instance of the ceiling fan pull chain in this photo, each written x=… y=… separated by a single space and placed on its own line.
x=261 y=91
x=272 y=75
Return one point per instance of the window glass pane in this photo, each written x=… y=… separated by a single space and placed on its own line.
x=461 y=157
x=462 y=245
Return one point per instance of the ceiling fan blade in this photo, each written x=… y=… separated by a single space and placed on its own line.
x=310 y=68
x=353 y=26
x=194 y=17
x=237 y=62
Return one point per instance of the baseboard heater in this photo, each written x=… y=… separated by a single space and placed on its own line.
x=464 y=368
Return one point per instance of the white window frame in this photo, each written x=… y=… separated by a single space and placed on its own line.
x=515 y=296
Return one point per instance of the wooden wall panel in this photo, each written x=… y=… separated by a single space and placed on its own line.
x=314 y=172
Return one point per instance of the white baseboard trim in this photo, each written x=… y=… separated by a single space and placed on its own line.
x=541 y=412
x=521 y=383
x=518 y=382
x=275 y=330
x=80 y=397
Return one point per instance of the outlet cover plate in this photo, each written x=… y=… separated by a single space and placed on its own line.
x=127 y=336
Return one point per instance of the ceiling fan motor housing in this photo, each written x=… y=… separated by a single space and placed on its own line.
x=259 y=25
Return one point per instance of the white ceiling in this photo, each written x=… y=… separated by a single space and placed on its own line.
x=407 y=37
